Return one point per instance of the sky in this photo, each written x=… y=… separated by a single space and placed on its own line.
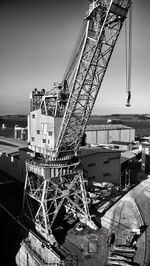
x=36 y=41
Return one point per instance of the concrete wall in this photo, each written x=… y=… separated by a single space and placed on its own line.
x=102 y=167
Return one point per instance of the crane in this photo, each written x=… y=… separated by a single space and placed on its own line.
x=103 y=25
x=57 y=122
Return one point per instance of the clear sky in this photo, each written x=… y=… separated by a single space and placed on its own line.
x=36 y=41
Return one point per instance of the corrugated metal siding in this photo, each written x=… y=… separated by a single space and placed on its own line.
x=91 y=137
x=113 y=135
x=102 y=137
x=132 y=134
x=125 y=135
x=107 y=136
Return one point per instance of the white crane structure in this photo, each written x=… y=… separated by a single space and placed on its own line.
x=57 y=122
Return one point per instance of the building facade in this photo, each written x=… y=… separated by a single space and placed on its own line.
x=99 y=134
x=20 y=132
x=13 y=154
x=101 y=165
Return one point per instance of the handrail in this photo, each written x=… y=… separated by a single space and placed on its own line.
x=39 y=258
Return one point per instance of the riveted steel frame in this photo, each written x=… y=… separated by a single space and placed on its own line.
x=106 y=19
x=66 y=189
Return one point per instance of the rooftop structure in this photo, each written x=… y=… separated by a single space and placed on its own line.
x=10 y=145
x=127 y=155
x=106 y=127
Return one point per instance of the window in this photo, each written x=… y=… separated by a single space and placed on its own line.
x=50 y=133
x=32 y=139
x=91 y=164
x=44 y=128
x=107 y=175
x=107 y=161
x=44 y=140
x=33 y=116
x=38 y=131
x=116 y=147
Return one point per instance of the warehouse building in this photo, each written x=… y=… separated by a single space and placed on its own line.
x=130 y=168
x=146 y=157
x=13 y=153
x=101 y=165
x=99 y=134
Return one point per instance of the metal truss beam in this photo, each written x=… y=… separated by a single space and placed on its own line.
x=103 y=27
x=49 y=195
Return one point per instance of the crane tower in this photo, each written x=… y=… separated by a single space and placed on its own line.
x=57 y=122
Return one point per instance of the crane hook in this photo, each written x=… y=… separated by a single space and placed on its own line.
x=128 y=99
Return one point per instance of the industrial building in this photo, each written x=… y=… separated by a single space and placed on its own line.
x=20 y=132
x=13 y=154
x=130 y=167
x=146 y=157
x=98 y=134
x=147 y=163
x=101 y=165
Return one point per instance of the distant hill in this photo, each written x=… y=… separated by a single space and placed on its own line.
x=118 y=118
x=140 y=122
x=13 y=117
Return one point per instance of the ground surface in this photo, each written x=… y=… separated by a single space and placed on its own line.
x=142 y=198
x=89 y=247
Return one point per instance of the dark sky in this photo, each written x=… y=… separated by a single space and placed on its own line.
x=36 y=41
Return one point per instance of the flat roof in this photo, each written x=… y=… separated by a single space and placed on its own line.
x=26 y=149
x=92 y=151
x=120 y=142
x=10 y=145
x=106 y=127
x=127 y=155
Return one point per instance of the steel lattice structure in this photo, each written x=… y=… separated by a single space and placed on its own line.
x=52 y=191
x=54 y=185
x=104 y=23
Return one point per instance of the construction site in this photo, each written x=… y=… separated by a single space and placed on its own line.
x=71 y=215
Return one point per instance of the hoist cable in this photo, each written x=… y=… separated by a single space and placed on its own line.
x=75 y=53
x=128 y=51
x=126 y=56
